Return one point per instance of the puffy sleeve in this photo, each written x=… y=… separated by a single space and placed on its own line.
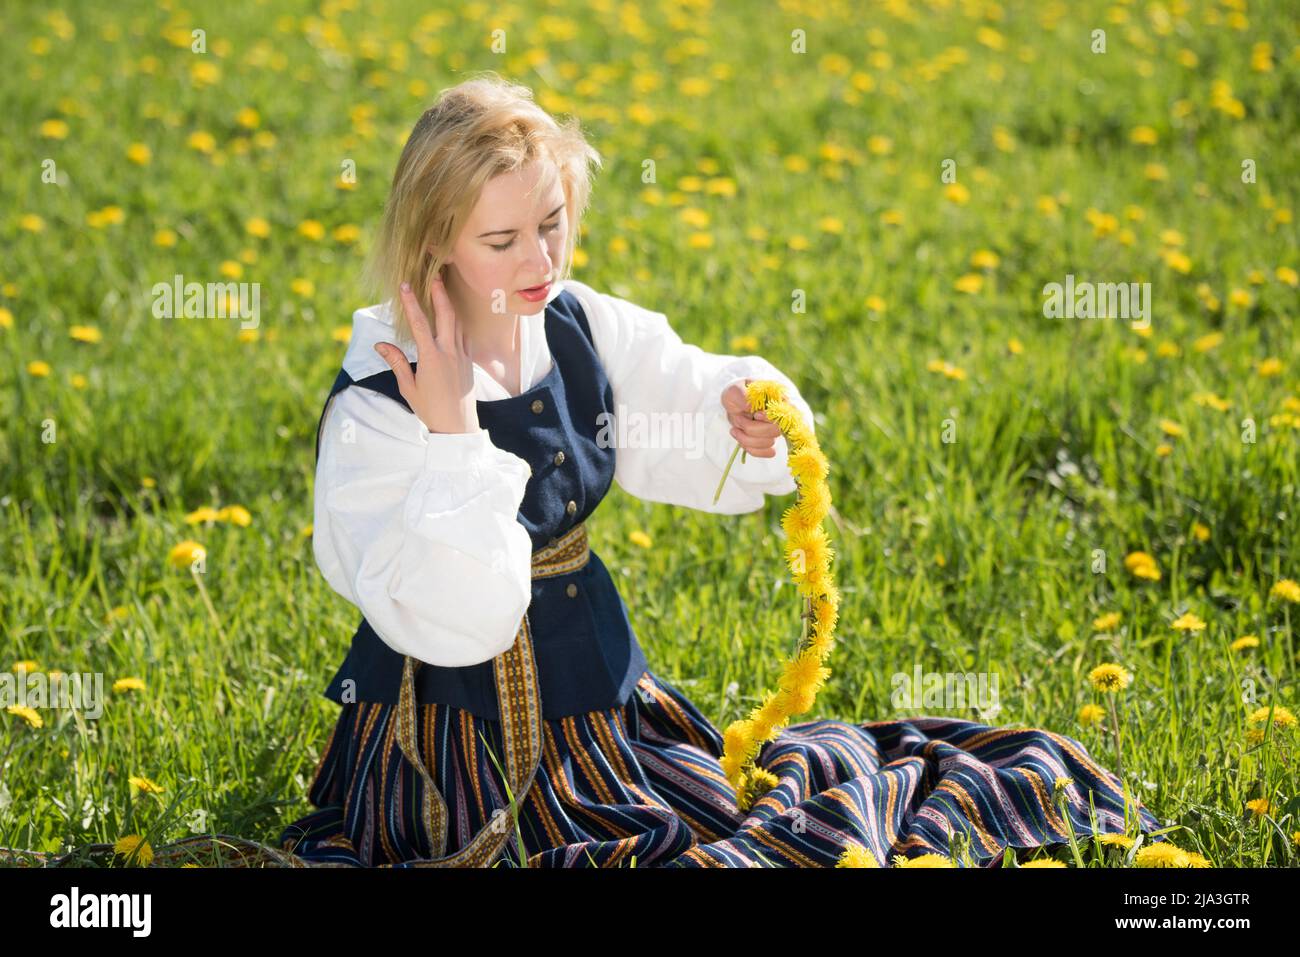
x=420 y=530
x=673 y=438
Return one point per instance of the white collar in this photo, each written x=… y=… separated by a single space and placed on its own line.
x=375 y=324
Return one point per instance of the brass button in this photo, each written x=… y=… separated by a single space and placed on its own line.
x=571 y=507
x=559 y=458
x=537 y=406
x=571 y=590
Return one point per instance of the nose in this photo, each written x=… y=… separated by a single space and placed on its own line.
x=539 y=264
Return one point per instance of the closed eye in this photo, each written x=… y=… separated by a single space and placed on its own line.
x=553 y=227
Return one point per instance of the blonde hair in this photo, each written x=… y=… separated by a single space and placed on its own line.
x=475 y=130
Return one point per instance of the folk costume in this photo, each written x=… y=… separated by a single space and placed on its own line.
x=496 y=658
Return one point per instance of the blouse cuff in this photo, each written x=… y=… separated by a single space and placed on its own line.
x=460 y=451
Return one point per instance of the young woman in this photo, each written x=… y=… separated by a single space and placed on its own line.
x=466 y=440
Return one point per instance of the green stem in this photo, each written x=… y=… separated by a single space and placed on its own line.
x=725 y=473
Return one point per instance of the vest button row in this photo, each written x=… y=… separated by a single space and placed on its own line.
x=571 y=590
x=559 y=457
x=537 y=406
x=571 y=507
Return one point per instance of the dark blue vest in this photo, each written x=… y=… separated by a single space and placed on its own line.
x=588 y=657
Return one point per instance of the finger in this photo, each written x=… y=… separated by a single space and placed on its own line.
x=444 y=316
x=762 y=448
x=417 y=320
x=758 y=430
x=396 y=360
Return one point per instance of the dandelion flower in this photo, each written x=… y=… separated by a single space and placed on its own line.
x=1110 y=677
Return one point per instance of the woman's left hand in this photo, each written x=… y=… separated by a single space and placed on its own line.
x=755 y=432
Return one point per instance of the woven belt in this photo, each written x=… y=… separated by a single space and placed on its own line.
x=519 y=702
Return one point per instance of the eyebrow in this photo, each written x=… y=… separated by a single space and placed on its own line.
x=508 y=232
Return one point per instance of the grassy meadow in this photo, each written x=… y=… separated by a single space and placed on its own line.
x=871 y=195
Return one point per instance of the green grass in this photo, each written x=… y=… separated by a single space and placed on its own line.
x=1055 y=453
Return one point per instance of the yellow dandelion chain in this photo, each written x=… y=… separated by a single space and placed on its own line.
x=808 y=554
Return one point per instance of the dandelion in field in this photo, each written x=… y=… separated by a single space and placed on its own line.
x=1047 y=205
x=1166 y=349
x=303 y=287
x=135 y=849
x=984 y=259
x=1207 y=342
x=1110 y=677
x=1161 y=854
x=258 y=227
x=1269 y=367
x=248 y=118
x=1156 y=172
x=640 y=538
x=346 y=233
x=1211 y=400
x=922 y=860
x=1282 y=717
x=1245 y=643
x=1287 y=275
x=891 y=217
x=202 y=141
x=1187 y=622
x=796 y=164
x=235 y=515
x=31 y=223
x=1044 y=862
x=28 y=714
x=342 y=334
x=1144 y=136
x=311 y=229
x=6 y=318
x=957 y=193
x=1259 y=806
x=249 y=335
x=139 y=154
x=38 y=367
x=876 y=304
x=1164 y=449
x=879 y=145
x=165 y=238
x=855 y=855
x=946 y=368
x=1177 y=261
x=1286 y=589
x=54 y=129
x=705 y=241
x=970 y=283
x=1015 y=347
x=148 y=481
x=1115 y=840
x=204 y=513
x=132 y=683
x=1200 y=532
x=85 y=333
x=1142 y=565
x=1091 y=714
x=231 y=269
x=1171 y=428
x=1107 y=621
x=185 y=554
x=144 y=785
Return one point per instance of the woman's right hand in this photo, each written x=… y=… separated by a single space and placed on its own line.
x=441 y=390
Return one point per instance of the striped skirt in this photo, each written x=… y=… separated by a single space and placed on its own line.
x=641 y=785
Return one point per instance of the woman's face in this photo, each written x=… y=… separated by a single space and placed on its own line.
x=513 y=240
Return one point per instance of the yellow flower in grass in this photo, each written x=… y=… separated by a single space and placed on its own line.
x=1269 y=367
x=1259 y=806
x=1287 y=275
x=204 y=513
x=135 y=849
x=185 y=554
x=1172 y=428
x=1207 y=342
x=1110 y=677
x=855 y=855
x=1282 y=716
x=303 y=287
x=1245 y=642
x=145 y=785
x=1043 y=862
x=1187 y=622
x=1091 y=714
x=923 y=860
x=30 y=715
x=1144 y=136
x=235 y=515
x=1107 y=621
x=1142 y=565
x=85 y=333
x=984 y=259
x=128 y=684
x=342 y=334
x=970 y=283
x=1015 y=347
x=311 y=229
x=1161 y=854
x=258 y=227
x=1286 y=589
x=1116 y=840
x=38 y=367
x=640 y=538
x=139 y=154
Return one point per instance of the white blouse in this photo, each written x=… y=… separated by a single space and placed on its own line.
x=420 y=529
